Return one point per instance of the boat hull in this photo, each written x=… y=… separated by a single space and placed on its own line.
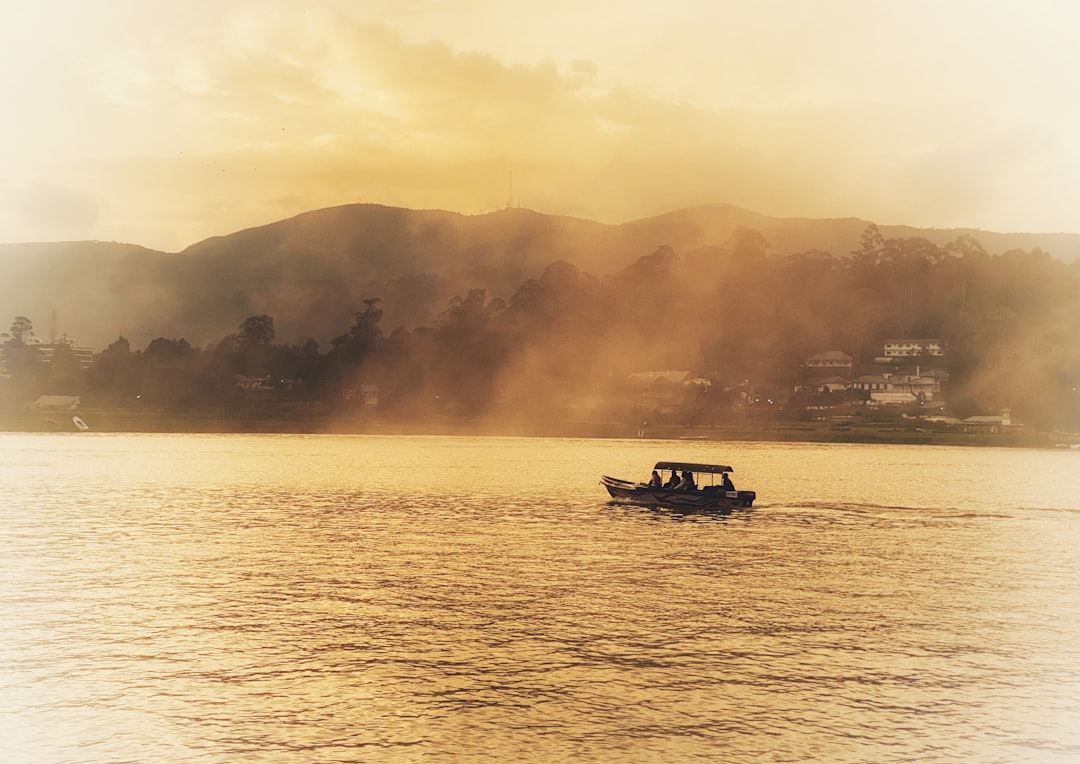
x=707 y=498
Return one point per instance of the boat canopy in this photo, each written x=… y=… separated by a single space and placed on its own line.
x=715 y=469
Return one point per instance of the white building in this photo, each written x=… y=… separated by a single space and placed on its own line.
x=908 y=348
x=47 y=351
x=830 y=361
x=891 y=388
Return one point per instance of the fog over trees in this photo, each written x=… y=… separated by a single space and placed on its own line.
x=563 y=342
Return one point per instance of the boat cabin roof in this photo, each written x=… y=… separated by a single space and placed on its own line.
x=715 y=469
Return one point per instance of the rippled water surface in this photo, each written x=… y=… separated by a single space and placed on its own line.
x=350 y=598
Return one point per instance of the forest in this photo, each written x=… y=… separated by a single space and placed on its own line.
x=562 y=344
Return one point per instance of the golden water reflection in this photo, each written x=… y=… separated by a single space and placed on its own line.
x=385 y=599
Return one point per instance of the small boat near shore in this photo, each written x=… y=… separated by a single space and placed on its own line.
x=696 y=495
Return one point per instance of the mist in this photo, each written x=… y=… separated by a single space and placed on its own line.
x=167 y=126
x=562 y=346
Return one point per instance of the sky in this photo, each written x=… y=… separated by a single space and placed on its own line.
x=164 y=123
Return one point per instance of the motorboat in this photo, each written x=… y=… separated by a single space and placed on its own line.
x=719 y=493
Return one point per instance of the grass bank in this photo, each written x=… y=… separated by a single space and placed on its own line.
x=905 y=432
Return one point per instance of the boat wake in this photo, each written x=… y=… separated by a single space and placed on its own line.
x=889 y=512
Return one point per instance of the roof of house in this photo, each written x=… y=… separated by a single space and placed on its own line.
x=830 y=355
x=898 y=379
x=893 y=397
x=921 y=371
x=648 y=377
x=57 y=402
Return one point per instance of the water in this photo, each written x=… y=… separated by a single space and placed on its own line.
x=348 y=598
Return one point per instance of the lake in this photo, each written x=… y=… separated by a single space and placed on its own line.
x=290 y=598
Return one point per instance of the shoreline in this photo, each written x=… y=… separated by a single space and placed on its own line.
x=104 y=421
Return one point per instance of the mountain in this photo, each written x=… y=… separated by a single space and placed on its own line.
x=694 y=227
x=313 y=271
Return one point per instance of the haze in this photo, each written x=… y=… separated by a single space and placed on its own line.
x=165 y=123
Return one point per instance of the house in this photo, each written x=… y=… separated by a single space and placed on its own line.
x=908 y=348
x=826 y=385
x=940 y=375
x=827 y=372
x=996 y=424
x=831 y=362
x=56 y=403
x=893 y=399
x=657 y=390
x=368 y=395
x=47 y=351
x=886 y=388
x=253 y=383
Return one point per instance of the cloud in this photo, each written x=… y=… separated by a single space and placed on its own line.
x=256 y=111
x=41 y=211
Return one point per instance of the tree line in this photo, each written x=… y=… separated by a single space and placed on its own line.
x=565 y=340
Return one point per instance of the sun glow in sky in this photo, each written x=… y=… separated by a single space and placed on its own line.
x=164 y=123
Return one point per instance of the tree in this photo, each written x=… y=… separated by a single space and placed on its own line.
x=469 y=351
x=173 y=375
x=257 y=330
x=353 y=353
x=21 y=358
x=66 y=375
x=965 y=245
x=22 y=330
x=363 y=336
x=871 y=245
x=162 y=350
x=115 y=371
x=748 y=244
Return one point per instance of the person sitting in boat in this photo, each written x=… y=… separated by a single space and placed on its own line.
x=655 y=481
x=686 y=482
x=673 y=481
x=726 y=484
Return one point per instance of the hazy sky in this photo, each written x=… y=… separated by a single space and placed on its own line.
x=161 y=123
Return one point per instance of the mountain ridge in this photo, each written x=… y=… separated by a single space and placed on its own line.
x=312 y=271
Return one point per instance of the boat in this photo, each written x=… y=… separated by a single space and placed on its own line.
x=711 y=496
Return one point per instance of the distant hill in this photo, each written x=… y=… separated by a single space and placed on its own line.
x=313 y=271
x=694 y=227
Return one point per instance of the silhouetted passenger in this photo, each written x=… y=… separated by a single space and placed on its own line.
x=672 y=481
x=686 y=483
x=655 y=481
x=726 y=484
